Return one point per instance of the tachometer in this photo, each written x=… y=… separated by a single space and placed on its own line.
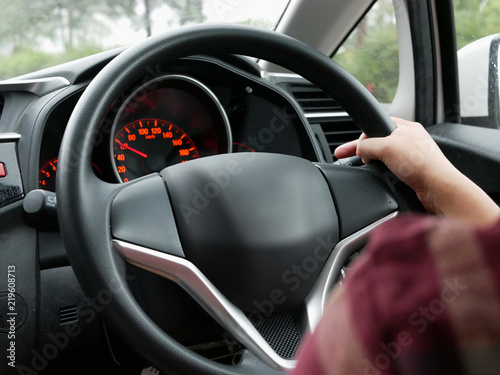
x=149 y=145
x=47 y=175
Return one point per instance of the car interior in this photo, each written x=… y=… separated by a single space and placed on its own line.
x=174 y=206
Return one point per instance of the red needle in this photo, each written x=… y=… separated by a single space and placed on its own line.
x=124 y=145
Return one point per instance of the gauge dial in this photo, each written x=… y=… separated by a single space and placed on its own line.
x=242 y=147
x=47 y=175
x=149 y=145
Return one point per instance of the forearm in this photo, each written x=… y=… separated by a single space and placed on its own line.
x=413 y=156
x=457 y=197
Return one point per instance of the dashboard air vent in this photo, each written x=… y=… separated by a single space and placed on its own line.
x=337 y=131
x=68 y=315
x=313 y=99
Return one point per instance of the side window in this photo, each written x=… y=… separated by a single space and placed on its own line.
x=370 y=53
x=478 y=39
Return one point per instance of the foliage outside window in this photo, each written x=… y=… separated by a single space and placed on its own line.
x=475 y=19
x=477 y=30
x=35 y=34
x=370 y=53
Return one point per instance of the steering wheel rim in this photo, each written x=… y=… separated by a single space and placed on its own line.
x=84 y=200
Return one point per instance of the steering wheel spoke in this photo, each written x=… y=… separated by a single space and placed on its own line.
x=361 y=196
x=198 y=286
x=328 y=278
x=141 y=214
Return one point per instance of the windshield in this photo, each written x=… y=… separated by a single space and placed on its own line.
x=35 y=34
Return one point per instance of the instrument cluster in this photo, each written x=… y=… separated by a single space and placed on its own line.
x=197 y=108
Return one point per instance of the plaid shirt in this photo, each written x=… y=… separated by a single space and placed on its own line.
x=423 y=299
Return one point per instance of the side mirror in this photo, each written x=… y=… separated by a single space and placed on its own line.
x=478 y=75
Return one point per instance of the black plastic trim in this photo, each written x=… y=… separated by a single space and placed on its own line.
x=473 y=150
x=449 y=66
x=19 y=256
x=493 y=95
x=424 y=61
x=11 y=186
x=361 y=198
x=155 y=228
x=51 y=251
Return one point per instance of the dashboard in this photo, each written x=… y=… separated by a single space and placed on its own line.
x=197 y=107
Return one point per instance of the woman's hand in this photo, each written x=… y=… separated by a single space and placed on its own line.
x=413 y=156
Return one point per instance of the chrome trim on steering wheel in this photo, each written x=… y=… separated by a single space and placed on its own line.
x=194 y=282
x=317 y=298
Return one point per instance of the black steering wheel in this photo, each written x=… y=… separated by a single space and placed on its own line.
x=269 y=213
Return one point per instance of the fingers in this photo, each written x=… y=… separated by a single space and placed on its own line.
x=399 y=122
x=348 y=149
x=372 y=149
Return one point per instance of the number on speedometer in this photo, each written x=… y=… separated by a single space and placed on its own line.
x=149 y=145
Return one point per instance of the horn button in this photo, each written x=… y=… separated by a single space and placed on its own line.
x=259 y=226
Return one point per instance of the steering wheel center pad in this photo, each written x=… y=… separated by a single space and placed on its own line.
x=272 y=212
x=248 y=221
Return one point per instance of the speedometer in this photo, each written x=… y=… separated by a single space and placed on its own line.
x=149 y=145
x=168 y=120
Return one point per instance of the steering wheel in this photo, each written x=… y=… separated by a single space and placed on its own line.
x=266 y=213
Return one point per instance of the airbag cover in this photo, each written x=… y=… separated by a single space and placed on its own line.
x=259 y=226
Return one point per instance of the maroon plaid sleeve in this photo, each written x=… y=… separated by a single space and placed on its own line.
x=423 y=299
